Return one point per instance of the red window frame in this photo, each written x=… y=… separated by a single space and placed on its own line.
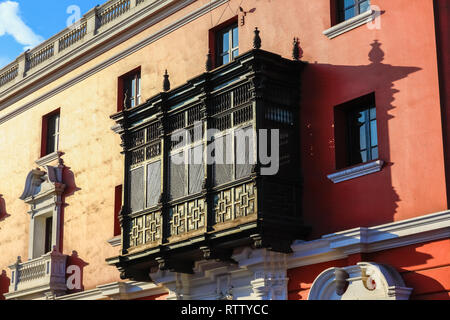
x=45 y=132
x=117 y=207
x=121 y=86
x=212 y=35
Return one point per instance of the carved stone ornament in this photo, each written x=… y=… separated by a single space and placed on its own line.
x=364 y=281
x=43 y=192
x=39 y=182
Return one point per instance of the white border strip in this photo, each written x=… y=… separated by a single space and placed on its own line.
x=350 y=24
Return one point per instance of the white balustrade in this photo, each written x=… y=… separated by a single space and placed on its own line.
x=101 y=17
x=38 y=276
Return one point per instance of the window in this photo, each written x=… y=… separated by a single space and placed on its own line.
x=356 y=132
x=50 y=133
x=129 y=90
x=363 y=135
x=43 y=192
x=348 y=9
x=42 y=234
x=117 y=207
x=48 y=234
x=227 y=44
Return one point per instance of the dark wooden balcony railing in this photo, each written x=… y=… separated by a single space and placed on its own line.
x=175 y=213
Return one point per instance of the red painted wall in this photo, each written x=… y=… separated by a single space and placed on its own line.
x=424 y=267
x=4 y=284
x=398 y=63
x=442 y=21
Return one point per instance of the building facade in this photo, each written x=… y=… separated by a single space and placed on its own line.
x=339 y=188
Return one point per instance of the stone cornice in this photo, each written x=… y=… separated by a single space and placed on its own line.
x=94 y=36
x=356 y=171
x=108 y=45
x=340 y=245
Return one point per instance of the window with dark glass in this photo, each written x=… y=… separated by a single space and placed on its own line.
x=50 y=133
x=132 y=90
x=48 y=234
x=227 y=44
x=363 y=140
x=348 y=9
x=356 y=132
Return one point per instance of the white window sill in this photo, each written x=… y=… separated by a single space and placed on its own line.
x=350 y=24
x=115 y=242
x=356 y=171
x=49 y=158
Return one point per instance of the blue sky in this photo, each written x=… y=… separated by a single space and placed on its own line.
x=26 y=23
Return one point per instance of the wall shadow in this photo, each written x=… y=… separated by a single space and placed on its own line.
x=68 y=177
x=3 y=213
x=362 y=202
x=4 y=284
x=415 y=266
x=403 y=259
x=69 y=181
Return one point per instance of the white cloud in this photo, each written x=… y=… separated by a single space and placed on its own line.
x=12 y=24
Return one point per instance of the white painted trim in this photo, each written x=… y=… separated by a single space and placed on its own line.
x=117 y=290
x=49 y=158
x=356 y=171
x=115 y=242
x=397 y=234
x=350 y=24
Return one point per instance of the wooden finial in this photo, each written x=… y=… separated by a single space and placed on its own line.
x=209 y=65
x=256 y=39
x=296 y=49
x=166 y=84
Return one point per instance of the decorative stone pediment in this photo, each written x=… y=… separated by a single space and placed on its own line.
x=364 y=281
x=43 y=192
x=41 y=183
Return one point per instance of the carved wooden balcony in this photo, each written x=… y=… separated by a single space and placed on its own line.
x=177 y=212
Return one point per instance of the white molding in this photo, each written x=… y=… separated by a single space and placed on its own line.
x=117 y=290
x=397 y=234
x=350 y=24
x=49 y=158
x=115 y=242
x=108 y=46
x=356 y=171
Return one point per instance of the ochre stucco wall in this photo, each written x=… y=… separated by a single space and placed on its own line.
x=409 y=130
